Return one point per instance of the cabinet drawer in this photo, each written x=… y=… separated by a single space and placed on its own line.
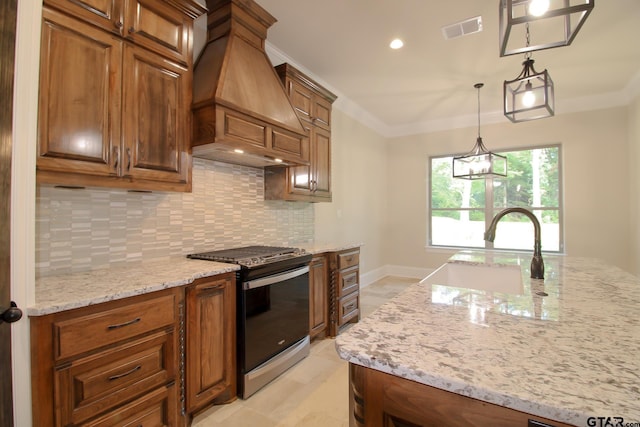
x=348 y=281
x=348 y=259
x=100 y=382
x=349 y=307
x=85 y=333
x=155 y=409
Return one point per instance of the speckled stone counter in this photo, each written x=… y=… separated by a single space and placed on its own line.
x=319 y=247
x=567 y=356
x=66 y=292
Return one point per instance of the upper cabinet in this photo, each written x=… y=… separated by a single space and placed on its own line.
x=115 y=93
x=312 y=102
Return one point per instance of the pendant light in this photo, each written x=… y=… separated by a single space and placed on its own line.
x=529 y=96
x=557 y=21
x=479 y=162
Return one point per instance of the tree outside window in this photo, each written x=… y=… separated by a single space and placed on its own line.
x=461 y=210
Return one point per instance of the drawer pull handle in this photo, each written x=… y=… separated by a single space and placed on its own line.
x=212 y=288
x=122 y=325
x=117 y=377
x=350 y=306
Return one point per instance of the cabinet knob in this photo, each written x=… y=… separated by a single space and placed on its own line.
x=118 y=24
x=132 y=30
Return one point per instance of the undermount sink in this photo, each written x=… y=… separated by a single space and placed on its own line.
x=492 y=278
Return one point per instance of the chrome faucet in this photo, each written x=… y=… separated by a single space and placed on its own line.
x=537 y=264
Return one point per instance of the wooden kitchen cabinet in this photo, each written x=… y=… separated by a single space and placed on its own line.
x=161 y=26
x=378 y=399
x=210 y=342
x=115 y=94
x=312 y=103
x=103 y=364
x=318 y=297
x=344 y=288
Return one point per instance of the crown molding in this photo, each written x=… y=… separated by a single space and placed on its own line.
x=587 y=103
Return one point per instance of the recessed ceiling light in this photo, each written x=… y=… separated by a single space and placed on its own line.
x=396 y=44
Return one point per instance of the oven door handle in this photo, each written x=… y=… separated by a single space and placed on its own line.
x=270 y=280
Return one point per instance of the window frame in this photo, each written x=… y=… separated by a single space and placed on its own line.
x=489 y=202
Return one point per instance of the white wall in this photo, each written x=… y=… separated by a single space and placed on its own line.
x=596 y=183
x=634 y=197
x=358 y=211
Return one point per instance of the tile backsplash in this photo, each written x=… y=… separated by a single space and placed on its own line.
x=80 y=230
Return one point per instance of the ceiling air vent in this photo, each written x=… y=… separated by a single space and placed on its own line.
x=462 y=28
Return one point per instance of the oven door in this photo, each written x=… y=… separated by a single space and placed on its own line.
x=275 y=315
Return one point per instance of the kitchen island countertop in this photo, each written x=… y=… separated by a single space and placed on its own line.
x=567 y=356
x=69 y=291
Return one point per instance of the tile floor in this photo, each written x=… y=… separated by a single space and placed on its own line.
x=313 y=393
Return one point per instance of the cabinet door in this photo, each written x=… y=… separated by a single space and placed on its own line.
x=321 y=146
x=321 y=112
x=318 y=309
x=155 y=118
x=79 y=105
x=301 y=177
x=301 y=98
x=211 y=348
x=106 y=14
x=160 y=27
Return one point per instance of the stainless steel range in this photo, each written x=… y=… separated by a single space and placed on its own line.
x=273 y=310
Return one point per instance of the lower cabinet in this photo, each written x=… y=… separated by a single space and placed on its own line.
x=150 y=360
x=318 y=298
x=210 y=342
x=344 y=288
x=109 y=364
x=378 y=399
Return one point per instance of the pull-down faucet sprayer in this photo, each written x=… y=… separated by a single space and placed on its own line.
x=537 y=264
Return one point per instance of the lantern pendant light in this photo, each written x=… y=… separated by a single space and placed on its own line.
x=557 y=22
x=531 y=95
x=479 y=162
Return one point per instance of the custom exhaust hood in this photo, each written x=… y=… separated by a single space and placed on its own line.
x=241 y=112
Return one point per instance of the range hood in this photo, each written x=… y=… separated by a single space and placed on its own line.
x=241 y=112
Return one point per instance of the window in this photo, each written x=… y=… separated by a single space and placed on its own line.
x=461 y=210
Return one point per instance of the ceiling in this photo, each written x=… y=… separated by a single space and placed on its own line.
x=428 y=84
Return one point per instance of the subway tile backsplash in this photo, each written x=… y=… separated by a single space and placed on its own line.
x=80 y=230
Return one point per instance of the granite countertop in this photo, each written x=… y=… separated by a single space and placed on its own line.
x=69 y=291
x=320 y=247
x=566 y=356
